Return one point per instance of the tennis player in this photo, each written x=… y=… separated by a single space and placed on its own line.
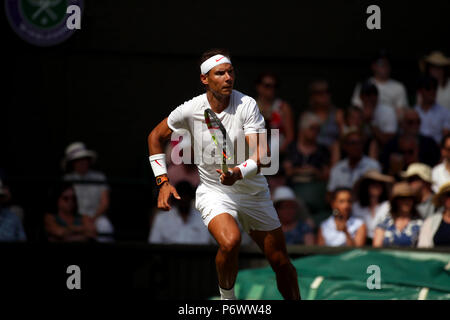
x=224 y=198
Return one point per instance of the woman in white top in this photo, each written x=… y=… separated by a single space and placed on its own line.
x=435 y=231
x=371 y=205
x=342 y=229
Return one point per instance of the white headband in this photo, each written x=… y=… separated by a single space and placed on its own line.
x=212 y=62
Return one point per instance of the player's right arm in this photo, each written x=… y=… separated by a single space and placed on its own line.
x=156 y=142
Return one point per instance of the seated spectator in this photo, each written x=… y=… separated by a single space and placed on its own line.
x=182 y=224
x=11 y=228
x=435 y=231
x=354 y=118
x=342 y=229
x=437 y=65
x=434 y=118
x=380 y=119
x=296 y=224
x=408 y=153
x=347 y=171
x=402 y=226
x=372 y=194
x=90 y=187
x=276 y=112
x=428 y=150
x=331 y=118
x=418 y=175
x=441 y=173
x=306 y=160
x=391 y=92
x=276 y=180
x=62 y=222
x=9 y=204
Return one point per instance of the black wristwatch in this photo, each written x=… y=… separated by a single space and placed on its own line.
x=160 y=180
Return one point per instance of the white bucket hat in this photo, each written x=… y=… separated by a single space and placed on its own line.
x=77 y=150
x=284 y=193
x=418 y=169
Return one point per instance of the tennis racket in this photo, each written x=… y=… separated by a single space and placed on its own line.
x=213 y=123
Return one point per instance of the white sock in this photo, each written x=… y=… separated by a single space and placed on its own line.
x=227 y=294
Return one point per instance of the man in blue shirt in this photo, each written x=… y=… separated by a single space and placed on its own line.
x=10 y=225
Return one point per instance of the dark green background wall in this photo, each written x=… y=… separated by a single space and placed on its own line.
x=134 y=61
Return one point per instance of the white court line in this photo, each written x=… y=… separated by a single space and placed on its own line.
x=423 y=294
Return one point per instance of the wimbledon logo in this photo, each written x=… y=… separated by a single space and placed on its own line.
x=40 y=22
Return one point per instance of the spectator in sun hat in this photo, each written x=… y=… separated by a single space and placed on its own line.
x=371 y=199
x=402 y=226
x=436 y=228
x=90 y=187
x=347 y=171
x=437 y=65
x=295 y=221
x=418 y=175
x=11 y=228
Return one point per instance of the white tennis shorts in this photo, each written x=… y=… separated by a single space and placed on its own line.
x=253 y=212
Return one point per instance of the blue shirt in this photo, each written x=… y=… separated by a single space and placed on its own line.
x=434 y=121
x=297 y=235
x=406 y=238
x=10 y=227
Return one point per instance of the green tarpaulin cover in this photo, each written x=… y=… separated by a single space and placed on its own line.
x=402 y=275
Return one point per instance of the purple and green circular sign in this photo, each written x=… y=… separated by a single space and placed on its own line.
x=40 y=22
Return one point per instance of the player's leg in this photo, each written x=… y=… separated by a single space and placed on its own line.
x=273 y=244
x=225 y=230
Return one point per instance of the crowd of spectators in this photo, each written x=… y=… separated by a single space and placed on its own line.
x=375 y=172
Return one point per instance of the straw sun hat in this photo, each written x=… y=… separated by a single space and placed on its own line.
x=437 y=199
x=435 y=58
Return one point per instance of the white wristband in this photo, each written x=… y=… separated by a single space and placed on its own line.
x=249 y=168
x=158 y=163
